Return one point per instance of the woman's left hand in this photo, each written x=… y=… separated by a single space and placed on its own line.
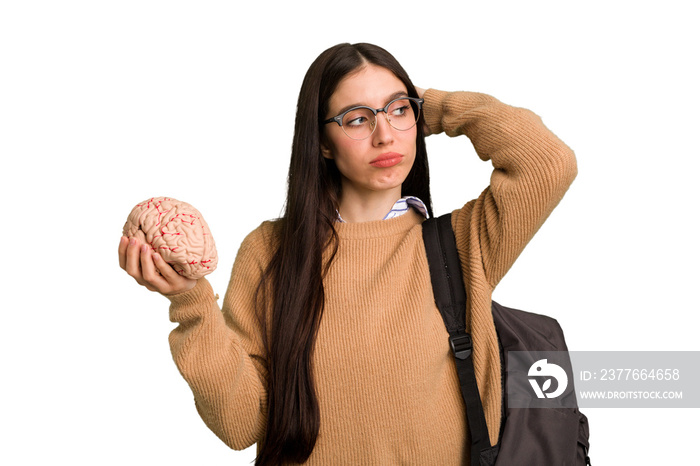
x=420 y=91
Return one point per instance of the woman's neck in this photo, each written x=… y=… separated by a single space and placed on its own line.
x=367 y=206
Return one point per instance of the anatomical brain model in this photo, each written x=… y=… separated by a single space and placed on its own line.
x=177 y=231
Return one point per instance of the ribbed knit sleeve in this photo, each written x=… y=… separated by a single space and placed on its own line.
x=532 y=171
x=219 y=352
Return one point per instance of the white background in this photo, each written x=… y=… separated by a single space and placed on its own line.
x=105 y=104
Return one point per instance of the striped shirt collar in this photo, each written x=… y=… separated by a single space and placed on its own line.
x=401 y=207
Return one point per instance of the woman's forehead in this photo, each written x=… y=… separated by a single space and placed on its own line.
x=372 y=85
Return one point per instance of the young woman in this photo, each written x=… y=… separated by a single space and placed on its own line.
x=330 y=349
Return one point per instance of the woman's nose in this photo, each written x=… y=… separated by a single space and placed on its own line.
x=383 y=132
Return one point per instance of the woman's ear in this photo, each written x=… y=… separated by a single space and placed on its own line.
x=326 y=152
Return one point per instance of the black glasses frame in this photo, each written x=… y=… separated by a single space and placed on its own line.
x=339 y=118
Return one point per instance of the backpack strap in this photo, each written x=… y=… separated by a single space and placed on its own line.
x=451 y=300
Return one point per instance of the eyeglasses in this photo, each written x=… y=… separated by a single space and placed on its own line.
x=360 y=122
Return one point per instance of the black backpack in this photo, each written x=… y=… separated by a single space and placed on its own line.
x=528 y=436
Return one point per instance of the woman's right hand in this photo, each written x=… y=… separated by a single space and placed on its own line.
x=150 y=270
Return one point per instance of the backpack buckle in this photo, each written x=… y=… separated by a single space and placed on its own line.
x=461 y=345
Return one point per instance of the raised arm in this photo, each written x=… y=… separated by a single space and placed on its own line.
x=532 y=171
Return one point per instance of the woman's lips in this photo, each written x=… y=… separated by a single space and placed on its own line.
x=386 y=160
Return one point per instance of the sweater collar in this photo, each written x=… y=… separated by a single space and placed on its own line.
x=380 y=228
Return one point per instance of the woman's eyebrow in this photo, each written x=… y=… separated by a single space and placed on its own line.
x=393 y=96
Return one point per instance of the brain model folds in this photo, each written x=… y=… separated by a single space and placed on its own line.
x=177 y=231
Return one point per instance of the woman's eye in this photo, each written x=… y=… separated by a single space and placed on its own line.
x=357 y=121
x=400 y=111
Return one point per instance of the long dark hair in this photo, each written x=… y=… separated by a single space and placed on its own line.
x=292 y=285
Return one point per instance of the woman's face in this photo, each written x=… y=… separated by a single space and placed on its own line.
x=383 y=160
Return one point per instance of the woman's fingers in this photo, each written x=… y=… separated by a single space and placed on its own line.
x=130 y=260
x=151 y=275
x=149 y=269
x=165 y=269
x=176 y=282
x=159 y=276
x=133 y=261
x=123 y=243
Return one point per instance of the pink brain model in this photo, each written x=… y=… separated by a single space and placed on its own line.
x=177 y=231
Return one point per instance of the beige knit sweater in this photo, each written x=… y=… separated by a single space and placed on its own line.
x=385 y=374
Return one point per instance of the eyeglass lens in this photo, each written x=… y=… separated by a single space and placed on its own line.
x=402 y=114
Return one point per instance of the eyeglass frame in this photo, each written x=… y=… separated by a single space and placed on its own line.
x=339 y=118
